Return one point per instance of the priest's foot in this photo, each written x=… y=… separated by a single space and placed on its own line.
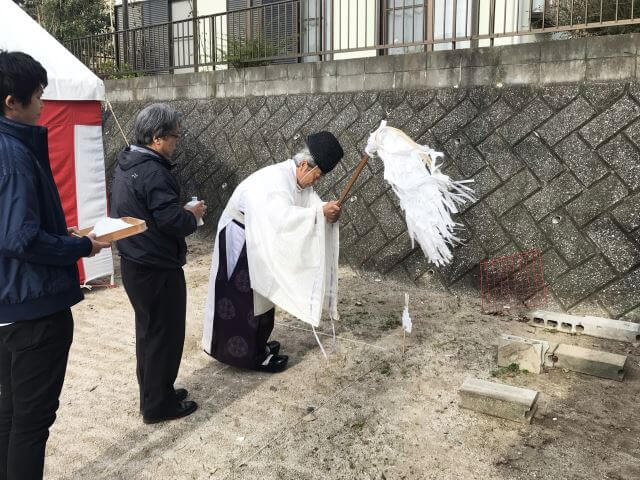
x=274 y=363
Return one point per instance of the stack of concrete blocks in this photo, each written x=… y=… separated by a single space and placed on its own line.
x=534 y=355
x=504 y=401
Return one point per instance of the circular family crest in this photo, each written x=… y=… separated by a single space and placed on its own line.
x=225 y=309
x=237 y=347
x=242 y=281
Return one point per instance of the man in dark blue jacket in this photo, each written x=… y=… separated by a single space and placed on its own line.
x=151 y=263
x=38 y=274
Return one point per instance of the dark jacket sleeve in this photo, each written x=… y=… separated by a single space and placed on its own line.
x=164 y=204
x=21 y=235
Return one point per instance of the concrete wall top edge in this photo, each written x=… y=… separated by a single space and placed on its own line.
x=592 y=59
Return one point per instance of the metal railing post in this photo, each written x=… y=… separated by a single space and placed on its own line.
x=196 y=40
x=429 y=26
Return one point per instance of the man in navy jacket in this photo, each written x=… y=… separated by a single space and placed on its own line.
x=38 y=274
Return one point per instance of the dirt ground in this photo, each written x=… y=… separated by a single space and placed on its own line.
x=377 y=414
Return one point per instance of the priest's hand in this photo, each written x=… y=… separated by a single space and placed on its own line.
x=331 y=211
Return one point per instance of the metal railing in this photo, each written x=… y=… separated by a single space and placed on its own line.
x=313 y=30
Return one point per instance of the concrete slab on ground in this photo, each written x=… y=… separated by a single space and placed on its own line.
x=590 y=362
x=499 y=400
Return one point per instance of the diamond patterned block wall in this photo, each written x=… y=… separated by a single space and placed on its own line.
x=556 y=168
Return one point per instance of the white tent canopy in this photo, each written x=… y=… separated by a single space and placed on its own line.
x=69 y=78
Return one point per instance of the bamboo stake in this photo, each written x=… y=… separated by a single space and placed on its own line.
x=352 y=180
x=126 y=142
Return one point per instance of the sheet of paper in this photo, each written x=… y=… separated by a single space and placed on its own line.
x=406 y=319
x=104 y=226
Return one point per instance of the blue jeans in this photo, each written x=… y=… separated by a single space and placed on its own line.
x=33 y=362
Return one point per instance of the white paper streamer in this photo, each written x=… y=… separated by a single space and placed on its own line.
x=428 y=197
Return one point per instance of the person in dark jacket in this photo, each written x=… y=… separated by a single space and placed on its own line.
x=151 y=263
x=39 y=279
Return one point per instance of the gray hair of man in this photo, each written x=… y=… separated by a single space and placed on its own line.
x=303 y=155
x=156 y=120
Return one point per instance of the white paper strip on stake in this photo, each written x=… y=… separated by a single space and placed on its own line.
x=406 y=319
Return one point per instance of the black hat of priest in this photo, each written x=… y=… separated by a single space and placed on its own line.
x=325 y=150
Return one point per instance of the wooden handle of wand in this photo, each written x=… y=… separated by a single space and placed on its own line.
x=352 y=180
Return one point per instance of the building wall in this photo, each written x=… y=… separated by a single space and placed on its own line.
x=549 y=132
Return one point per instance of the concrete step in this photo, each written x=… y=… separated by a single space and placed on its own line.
x=531 y=355
x=590 y=362
x=586 y=325
x=499 y=400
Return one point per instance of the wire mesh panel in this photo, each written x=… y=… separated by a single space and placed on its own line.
x=513 y=281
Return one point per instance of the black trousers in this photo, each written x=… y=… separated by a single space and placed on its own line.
x=159 y=299
x=33 y=362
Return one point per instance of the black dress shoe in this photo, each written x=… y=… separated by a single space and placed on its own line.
x=274 y=347
x=181 y=394
x=277 y=363
x=184 y=408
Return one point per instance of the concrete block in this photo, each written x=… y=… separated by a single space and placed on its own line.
x=477 y=76
x=300 y=71
x=523 y=54
x=181 y=79
x=611 y=46
x=531 y=355
x=411 y=80
x=586 y=325
x=410 y=62
x=519 y=74
x=326 y=69
x=574 y=49
x=498 y=400
x=350 y=83
x=350 y=67
x=233 y=90
x=442 y=78
x=254 y=89
x=165 y=93
x=164 y=80
x=590 y=362
x=275 y=87
x=255 y=74
x=382 y=64
x=199 y=78
x=444 y=59
x=276 y=72
x=326 y=84
x=563 y=72
x=612 y=68
x=191 y=92
x=303 y=85
x=234 y=75
x=145 y=82
x=377 y=81
x=219 y=76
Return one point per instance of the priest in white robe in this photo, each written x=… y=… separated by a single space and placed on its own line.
x=276 y=245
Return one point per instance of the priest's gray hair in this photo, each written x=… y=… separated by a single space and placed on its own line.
x=155 y=120
x=302 y=155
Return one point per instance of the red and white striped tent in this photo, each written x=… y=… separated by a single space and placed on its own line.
x=72 y=113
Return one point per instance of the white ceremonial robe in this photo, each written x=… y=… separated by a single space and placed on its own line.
x=292 y=251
